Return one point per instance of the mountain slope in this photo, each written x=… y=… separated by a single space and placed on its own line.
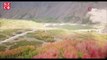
x=61 y=11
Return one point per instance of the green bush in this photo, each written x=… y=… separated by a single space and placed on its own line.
x=2 y=36
x=24 y=43
x=2 y=48
x=42 y=35
x=20 y=52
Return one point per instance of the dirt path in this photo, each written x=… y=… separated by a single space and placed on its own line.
x=16 y=36
x=22 y=34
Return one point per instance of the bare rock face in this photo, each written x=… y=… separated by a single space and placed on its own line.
x=63 y=11
x=100 y=16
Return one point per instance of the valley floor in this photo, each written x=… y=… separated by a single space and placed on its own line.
x=52 y=41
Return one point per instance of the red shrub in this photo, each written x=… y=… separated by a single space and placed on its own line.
x=48 y=54
x=88 y=49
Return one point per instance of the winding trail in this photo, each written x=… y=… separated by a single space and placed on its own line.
x=22 y=34
x=17 y=36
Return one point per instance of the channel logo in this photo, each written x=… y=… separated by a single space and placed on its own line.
x=6 y=5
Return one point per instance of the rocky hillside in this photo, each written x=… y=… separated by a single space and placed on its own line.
x=57 y=11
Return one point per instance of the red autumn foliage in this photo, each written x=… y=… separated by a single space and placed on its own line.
x=48 y=54
x=70 y=49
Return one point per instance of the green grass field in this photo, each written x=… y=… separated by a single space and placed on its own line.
x=76 y=27
x=18 y=24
